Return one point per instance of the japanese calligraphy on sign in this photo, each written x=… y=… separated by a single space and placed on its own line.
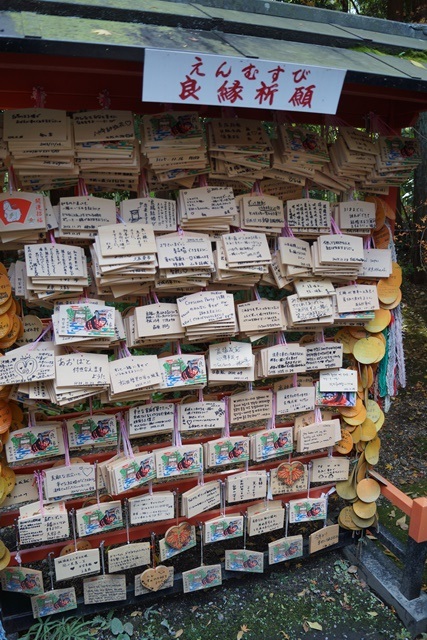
x=199 y=78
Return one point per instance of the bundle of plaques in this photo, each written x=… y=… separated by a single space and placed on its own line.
x=155 y=321
x=11 y=325
x=185 y=261
x=173 y=146
x=158 y=212
x=238 y=148
x=307 y=313
x=124 y=258
x=133 y=377
x=337 y=255
x=107 y=150
x=41 y=147
x=292 y=172
x=355 y=217
x=245 y=249
x=294 y=259
x=358 y=304
x=388 y=288
x=281 y=359
x=260 y=318
x=79 y=375
x=207 y=209
x=81 y=216
x=397 y=158
x=239 y=276
x=259 y=212
x=207 y=314
x=231 y=362
x=301 y=151
x=86 y=324
x=54 y=270
x=125 y=472
x=23 y=218
x=308 y=217
x=353 y=155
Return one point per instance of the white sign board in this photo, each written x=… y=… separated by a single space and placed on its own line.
x=182 y=77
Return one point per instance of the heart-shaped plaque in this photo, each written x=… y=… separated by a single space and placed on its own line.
x=154 y=579
x=290 y=472
x=179 y=536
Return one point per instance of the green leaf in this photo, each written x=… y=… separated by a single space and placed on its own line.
x=116 y=626
x=128 y=627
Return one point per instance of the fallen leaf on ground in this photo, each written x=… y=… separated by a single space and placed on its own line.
x=285 y=635
x=372 y=614
x=315 y=625
x=352 y=569
x=101 y=32
x=193 y=609
x=401 y=522
x=135 y=613
x=392 y=514
x=179 y=633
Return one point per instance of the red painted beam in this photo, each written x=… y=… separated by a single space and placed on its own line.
x=144 y=531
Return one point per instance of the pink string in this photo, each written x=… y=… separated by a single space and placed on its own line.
x=176 y=435
x=367 y=242
x=104 y=99
x=143 y=191
x=256 y=188
x=81 y=188
x=66 y=444
x=379 y=126
x=335 y=121
x=39 y=96
x=226 y=430
x=48 y=328
x=200 y=395
x=256 y=294
x=335 y=228
x=295 y=380
x=155 y=298
x=38 y=475
x=201 y=479
x=127 y=447
x=317 y=415
x=124 y=349
x=287 y=232
x=203 y=182
x=12 y=179
x=178 y=348
x=51 y=237
x=272 y=421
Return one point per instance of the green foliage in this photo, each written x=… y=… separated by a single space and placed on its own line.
x=71 y=628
